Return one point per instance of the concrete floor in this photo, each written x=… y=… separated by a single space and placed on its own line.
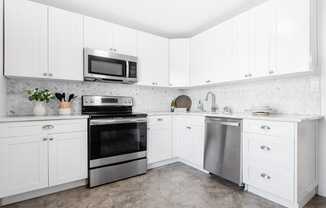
x=173 y=186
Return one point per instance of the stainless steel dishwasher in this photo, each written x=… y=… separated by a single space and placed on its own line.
x=222 y=155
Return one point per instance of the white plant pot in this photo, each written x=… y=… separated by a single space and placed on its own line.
x=39 y=109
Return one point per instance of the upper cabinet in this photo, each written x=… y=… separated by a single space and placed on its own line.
x=65 y=45
x=273 y=38
x=47 y=44
x=179 y=62
x=98 y=34
x=107 y=36
x=26 y=36
x=295 y=36
x=153 y=60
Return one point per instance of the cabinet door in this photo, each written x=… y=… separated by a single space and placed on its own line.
x=153 y=55
x=244 y=45
x=179 y=62
x=222 y=52
x=293 y=37
x=66 y=45
x=98 y=34
x=26 y=36
x=125 y=40
x=67 y=157
x=198 y=60
x=263 y=30
x=159 y=139
x=197 y=145
x=179 y=134
x=24 y=164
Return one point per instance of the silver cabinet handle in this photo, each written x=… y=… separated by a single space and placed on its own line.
x=264 y=175
x=47 y=127
x=50 y=74
x=208 y=81
x=51 y=139
x=188 y=127
x=264 y=127
x=246 y=75
x=45 y=139
x=45 y=74
x=250 y=75
x=160 y=119
x=271 y=72
x=263 y=147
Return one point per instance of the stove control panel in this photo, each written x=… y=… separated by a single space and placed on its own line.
x=106 y=101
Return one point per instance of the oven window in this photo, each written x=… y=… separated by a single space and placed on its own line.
x=107 y=66
x=117 y=139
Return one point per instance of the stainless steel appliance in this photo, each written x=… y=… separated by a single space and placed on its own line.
x=109 y=66
x=117 y=139
x=222 y=156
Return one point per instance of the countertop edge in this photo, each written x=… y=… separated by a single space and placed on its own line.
x=276 y=117
x=8 y=119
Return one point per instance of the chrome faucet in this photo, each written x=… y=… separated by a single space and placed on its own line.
x=214 y=107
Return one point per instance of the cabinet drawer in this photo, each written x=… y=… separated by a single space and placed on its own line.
x=271 y=180
x=275 y=151
x=268 y=127
x=16 y=129
x=65 y=126
x=160 y=121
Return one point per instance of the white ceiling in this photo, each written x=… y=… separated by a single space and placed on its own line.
x=169 y=18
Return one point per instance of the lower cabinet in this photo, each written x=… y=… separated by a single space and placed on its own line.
x=279 y=160
x=188 y=138
x=24 y=164
x=176 y=137
x=67 y=158
x=159 y=140
x=35 y=155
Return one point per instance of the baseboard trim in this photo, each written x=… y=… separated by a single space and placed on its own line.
x=41 y=192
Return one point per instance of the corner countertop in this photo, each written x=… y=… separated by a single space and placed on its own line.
x=273 y=117
x=5 y=119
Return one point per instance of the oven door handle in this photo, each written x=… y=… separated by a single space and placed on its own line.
x=116 y=121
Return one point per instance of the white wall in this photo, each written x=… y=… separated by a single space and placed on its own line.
x=322 y=61
x=3 y=98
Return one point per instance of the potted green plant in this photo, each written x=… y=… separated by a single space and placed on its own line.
x=39 y=97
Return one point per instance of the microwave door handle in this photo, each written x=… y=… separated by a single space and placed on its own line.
x=127 y=69
x=116 y=121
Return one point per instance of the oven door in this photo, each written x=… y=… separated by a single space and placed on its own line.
x=117 y=140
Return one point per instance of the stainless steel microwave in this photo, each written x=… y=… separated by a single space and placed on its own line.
x=107 y=66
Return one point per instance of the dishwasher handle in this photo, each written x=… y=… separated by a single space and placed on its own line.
x=224 y=123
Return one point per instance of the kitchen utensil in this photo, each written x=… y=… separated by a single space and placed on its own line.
x=58 y=96
x=64 y=96
x=183 y=101
x=71 y=97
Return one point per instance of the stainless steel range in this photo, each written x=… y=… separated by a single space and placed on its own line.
x=117 y=139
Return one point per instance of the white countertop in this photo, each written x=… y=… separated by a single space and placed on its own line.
x=274 y=117
x=41 y=118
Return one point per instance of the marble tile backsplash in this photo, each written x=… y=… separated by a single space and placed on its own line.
x=296 y=95
x=145 y=98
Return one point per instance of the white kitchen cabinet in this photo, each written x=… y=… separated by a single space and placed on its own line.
x=263 y=20
x=24 y=164
x=41 y=154
x=179 y=62
x=103 y=35
x=244 y=43
x=26 y=39
x=199 y=54
x=279 y=160
x=188 y=139
x=65 y=45
x=222 y=52
x=159 y=139
x=125 y=40
x=68 y=157
x=153 y=60
x=295 y=40
x=98 y=34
